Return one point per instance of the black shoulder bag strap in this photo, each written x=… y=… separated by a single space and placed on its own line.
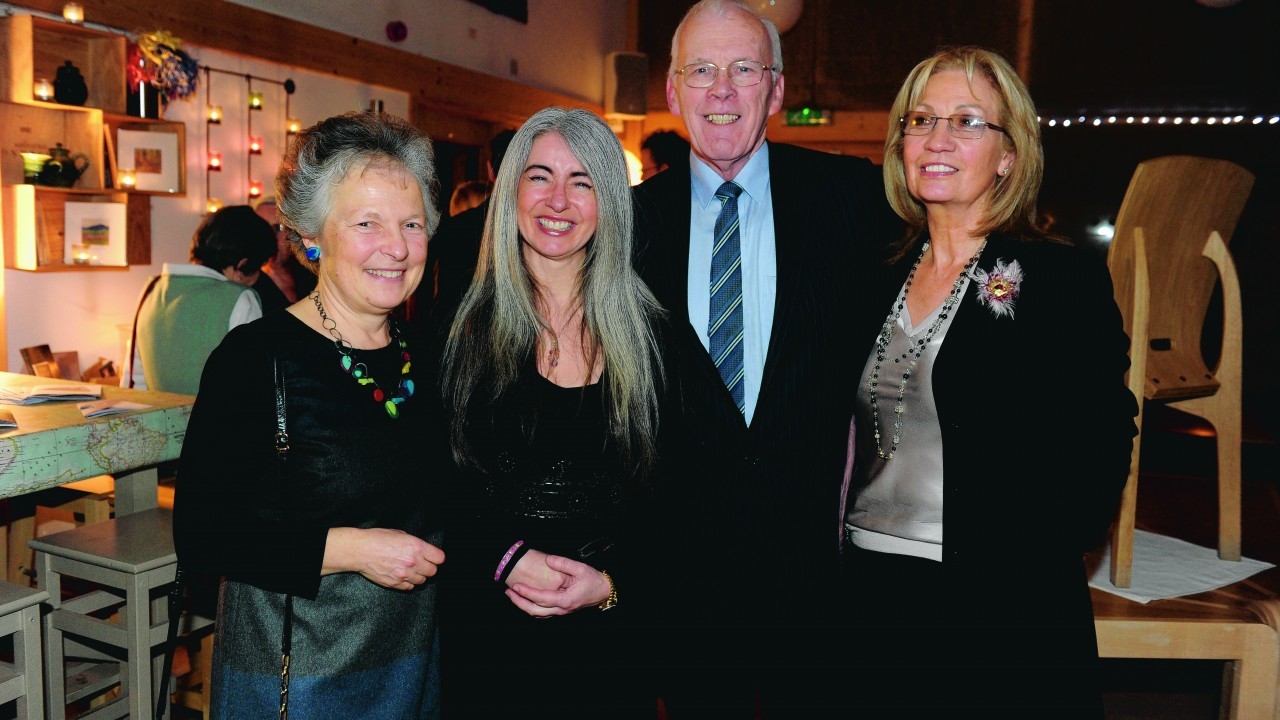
x=282 y=454
x=171 y=642
x=133 y=334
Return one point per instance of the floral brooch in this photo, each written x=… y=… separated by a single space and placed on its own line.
x=998 y=289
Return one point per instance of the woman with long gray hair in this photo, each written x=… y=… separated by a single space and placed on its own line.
x=554 y=373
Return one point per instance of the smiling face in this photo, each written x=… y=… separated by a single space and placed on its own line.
x=556 y=206
x=726 y=123
x=955 y=175
x=374 y=240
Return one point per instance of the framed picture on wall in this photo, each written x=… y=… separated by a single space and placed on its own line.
x=95 y=234
x=154 y=158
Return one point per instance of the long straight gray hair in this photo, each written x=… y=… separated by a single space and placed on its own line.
x=497 y=325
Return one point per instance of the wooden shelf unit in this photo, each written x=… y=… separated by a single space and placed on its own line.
x=32 y=48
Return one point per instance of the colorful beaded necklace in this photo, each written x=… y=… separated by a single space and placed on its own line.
x=360 y=371
x=914 y=349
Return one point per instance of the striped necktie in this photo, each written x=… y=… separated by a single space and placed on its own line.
x=724 y=327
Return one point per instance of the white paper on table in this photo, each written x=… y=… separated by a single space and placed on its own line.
x=1164 y=567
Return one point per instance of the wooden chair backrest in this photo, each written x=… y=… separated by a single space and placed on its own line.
x=1176 y=202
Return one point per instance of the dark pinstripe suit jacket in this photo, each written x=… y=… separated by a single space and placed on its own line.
x=770 y=500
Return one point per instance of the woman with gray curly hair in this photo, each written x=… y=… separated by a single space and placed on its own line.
x=333 y=549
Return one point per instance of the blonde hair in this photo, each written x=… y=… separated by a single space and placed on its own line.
x=1013 y=201
x=497 y=325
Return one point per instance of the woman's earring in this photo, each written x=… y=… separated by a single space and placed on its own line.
x=1004 y=171
x=313 y=253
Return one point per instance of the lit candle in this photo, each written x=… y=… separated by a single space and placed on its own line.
x=128 y=178
x=73 y=13
x=294 y=126
x=215 y=161
x=212 y=205
x=255 y=189
x=214 y=114
x=43 y=90
x=80 y=254
x=255 y=101
x=255 y=145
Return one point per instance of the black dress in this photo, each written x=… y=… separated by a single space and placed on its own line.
x=359 y=649
x=552 y=478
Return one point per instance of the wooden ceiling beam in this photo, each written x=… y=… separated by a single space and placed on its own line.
x=433 y=86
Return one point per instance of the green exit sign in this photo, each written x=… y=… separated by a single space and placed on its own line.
x=808 y=116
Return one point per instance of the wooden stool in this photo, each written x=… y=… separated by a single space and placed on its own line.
x=123 y=567
x=20 y=619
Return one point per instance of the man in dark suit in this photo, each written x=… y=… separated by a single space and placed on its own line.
x=452 y=253
x=759 y=541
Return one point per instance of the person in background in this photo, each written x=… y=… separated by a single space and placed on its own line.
x=347 y=526
x=555 y=373
x=660 y=150
x=292 y=278
x=794 y=229
x=994 y=397
x=452 y=260
x=468 y=195
x=184 y=312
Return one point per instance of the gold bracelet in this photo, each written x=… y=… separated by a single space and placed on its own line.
x=612 y=599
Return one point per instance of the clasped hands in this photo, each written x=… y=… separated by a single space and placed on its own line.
x=545 y=585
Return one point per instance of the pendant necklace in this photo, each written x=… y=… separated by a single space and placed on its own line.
x=360 y=371
x=914 y=349
x=553 y=353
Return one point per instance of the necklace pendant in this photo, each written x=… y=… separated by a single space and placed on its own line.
x=392 y=410
x=347 y=363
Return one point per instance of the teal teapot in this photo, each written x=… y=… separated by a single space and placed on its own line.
x=61 y=170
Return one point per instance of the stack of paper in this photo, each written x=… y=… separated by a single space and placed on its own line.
x=47 y=393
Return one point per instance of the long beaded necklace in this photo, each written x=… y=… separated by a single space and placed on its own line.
x=914 y=349
x=360 y=371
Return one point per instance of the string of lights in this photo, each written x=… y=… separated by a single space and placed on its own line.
x=1099 y=120
x=255 y=102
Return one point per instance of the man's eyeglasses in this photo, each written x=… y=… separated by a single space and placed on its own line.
x=969 y=127
x=743 y=73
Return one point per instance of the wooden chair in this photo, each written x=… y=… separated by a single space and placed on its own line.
x=1168 y=252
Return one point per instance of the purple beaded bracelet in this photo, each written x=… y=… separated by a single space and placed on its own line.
x=497 y=575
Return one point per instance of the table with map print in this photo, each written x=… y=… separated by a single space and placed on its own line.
x=55 y=444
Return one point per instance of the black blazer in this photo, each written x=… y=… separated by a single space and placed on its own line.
x=1037 y=428
x=769 y=495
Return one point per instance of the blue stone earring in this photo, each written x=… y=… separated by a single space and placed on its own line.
x=313 y=253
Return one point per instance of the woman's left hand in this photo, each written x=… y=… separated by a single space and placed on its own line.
x=585 y=587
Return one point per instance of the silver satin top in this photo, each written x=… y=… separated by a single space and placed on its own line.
x=897 y=504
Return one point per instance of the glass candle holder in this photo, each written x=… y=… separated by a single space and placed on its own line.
x=255 y=101
x=293 y=126
x=213 y=114
x=128 y=178
x=43 y=90
x=212 y=205
x=215 y=161
x=73 y=13
x=255 y=145
x=80 y=255
x=255 y=189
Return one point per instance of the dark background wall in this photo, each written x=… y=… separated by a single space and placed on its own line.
x=1086 y=57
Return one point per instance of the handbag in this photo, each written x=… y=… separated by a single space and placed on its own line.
x=176 y=592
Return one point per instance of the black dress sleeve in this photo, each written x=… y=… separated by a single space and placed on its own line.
x=231 y=514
